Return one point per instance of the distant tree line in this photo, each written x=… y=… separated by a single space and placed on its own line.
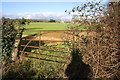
x=41 y=20
x=28 y=21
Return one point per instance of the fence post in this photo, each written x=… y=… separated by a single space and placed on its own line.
x=15 y=50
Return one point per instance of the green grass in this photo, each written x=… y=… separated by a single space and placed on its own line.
x=33 y=70
x=57 y=53
x=36 y=70
x=46 y=26
x=33 y=28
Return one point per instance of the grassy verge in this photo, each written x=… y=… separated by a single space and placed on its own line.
x=34 y=69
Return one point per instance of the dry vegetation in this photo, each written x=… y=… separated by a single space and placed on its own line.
x=100 y=49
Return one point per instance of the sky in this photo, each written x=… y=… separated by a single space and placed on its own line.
x=38 y=10
x=51 y=0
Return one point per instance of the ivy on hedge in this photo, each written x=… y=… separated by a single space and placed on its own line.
x=9 y=34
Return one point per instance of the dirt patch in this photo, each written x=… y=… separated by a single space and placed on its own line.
x=56 y=35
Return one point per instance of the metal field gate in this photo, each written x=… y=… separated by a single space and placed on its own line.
x=45 y=46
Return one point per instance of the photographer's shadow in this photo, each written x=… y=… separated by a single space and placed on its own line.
x=77 y=69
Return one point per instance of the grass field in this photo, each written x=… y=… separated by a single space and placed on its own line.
x=46 y=26
x=33 y=28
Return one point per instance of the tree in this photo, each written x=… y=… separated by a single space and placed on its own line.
x=51 y=20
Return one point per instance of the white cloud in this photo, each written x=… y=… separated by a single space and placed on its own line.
x=38 y=15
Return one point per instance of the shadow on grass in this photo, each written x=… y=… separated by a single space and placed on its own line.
x=21 y=75
x=77 y=69
x=32 y=43
x=29 y=36
x=26 y=71
x=33 y=28
x=22 y=71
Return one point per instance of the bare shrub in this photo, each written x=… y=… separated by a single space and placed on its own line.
x=100 y=45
